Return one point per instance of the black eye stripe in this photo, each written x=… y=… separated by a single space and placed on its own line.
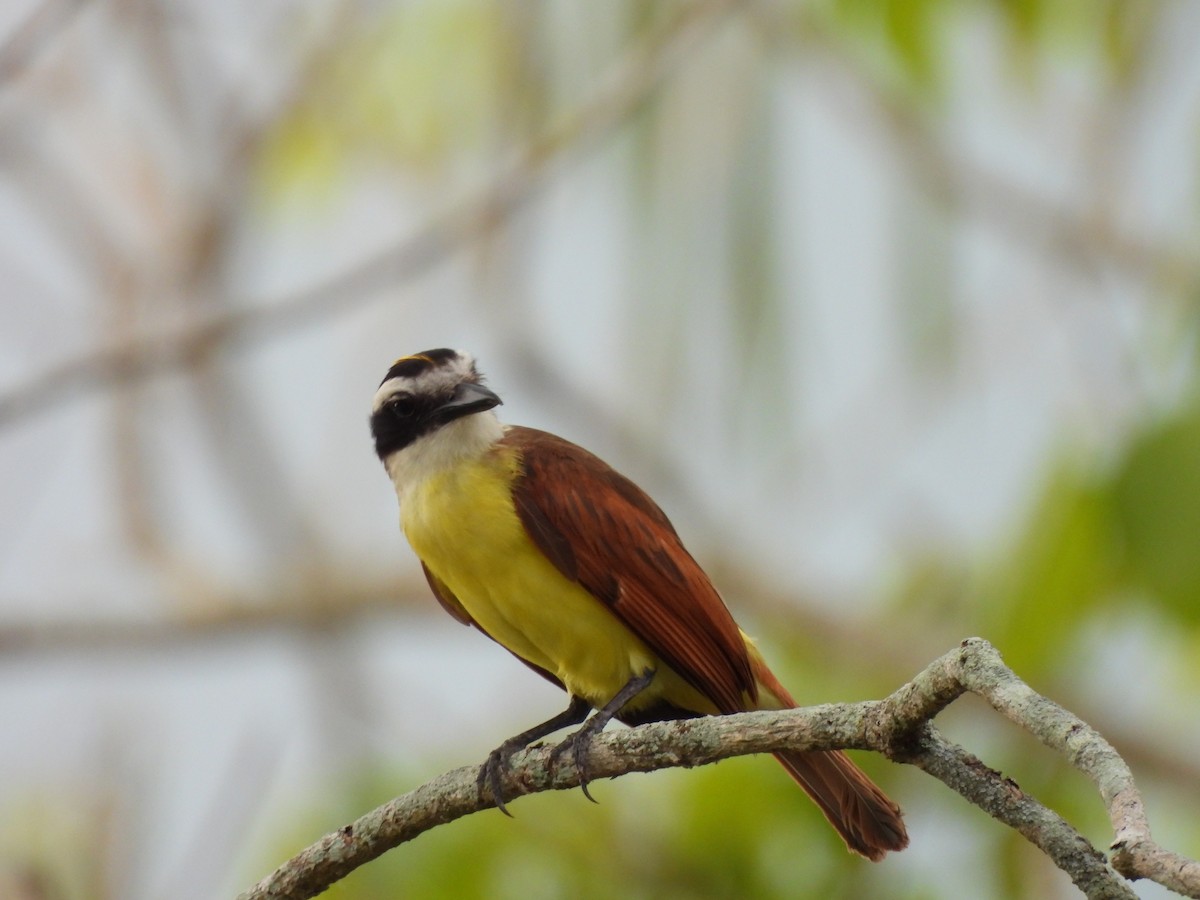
x=402 y=404
x=426 y=382
x=394 y=431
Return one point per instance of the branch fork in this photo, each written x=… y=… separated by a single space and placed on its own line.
x=899 y=726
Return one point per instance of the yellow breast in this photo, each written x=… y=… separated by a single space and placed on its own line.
x=463 y=525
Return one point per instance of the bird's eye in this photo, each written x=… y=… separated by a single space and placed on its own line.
x=402 y=406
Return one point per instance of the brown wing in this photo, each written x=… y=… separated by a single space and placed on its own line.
x=446 y=597
x=603 y=531
x=454 y=606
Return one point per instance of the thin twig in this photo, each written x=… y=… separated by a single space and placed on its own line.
x=35 y=32
x=293 y=610
x=629 y=84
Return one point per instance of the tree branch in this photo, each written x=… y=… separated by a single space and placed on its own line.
x=898 y=726
x=25 y=42
x=978 y=669
x=629 y=83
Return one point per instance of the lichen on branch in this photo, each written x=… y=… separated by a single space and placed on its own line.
x=899 y=726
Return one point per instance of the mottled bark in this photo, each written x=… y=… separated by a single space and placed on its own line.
x=898 y=726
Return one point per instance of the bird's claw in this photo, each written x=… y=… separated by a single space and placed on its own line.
x=491 y=776
x=578 y=745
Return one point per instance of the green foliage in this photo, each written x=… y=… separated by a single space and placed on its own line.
x=900 y=41
x=907 y=42
x=424 y=84
x=1062 y=567
x=1156 y=514
x=1098 y=539
x=1108 y=31
x=58 y=844
x=414 y=90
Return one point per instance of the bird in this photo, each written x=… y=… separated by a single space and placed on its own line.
x=573 y=569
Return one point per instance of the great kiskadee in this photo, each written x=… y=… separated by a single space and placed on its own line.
x=574 y=569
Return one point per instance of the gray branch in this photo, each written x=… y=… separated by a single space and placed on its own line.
x=899 y=726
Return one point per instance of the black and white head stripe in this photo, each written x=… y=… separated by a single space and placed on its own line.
x=423 y=392
x=429 y=374
x=412 y=366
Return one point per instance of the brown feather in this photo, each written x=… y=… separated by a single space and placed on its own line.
x=866 y=818
x=446 y=597
x=603 y=531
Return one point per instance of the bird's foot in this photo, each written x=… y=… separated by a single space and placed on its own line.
x=578 y=746
x=491 y=773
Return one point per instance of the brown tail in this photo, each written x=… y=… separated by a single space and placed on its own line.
x=867 y=820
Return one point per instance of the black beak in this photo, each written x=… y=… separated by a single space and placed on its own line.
x=468 y=398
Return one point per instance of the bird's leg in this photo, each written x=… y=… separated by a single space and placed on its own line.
x=579 y=742
x=491 y=771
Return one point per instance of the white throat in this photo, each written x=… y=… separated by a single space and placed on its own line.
x=463 y=439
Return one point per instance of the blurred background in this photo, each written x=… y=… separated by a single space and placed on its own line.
x=893 y=306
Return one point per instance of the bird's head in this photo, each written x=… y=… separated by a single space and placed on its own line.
x=423 y=394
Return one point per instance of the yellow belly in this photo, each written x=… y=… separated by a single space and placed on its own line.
x=462 y=524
